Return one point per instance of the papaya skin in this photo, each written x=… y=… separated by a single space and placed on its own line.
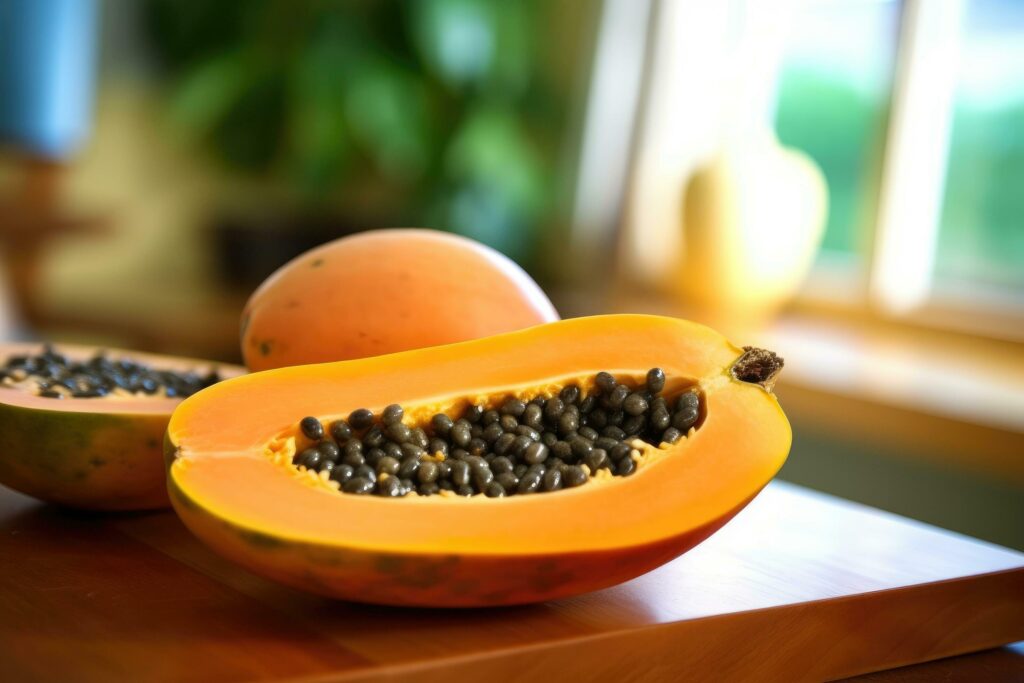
x=230 y=478
x=438 y=580
x=94 y=454
x=385 y=291
x=101 y=461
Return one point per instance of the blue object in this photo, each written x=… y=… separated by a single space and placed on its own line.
x=47 y=66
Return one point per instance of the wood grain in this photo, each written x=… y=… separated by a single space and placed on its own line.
x=799 y=586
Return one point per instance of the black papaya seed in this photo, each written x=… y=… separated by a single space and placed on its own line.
x=312 y=428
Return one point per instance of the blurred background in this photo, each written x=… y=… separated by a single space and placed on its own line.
x=839 y=180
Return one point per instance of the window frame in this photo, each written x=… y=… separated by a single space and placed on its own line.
x=897 y=283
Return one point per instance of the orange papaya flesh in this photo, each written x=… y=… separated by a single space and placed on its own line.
x=100 y=453
x=231 y=480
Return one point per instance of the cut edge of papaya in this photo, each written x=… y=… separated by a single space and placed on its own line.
x=134 y=405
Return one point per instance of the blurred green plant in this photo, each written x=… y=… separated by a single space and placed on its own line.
x=436 y=112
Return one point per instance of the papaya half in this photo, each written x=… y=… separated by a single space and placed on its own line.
x=102 y=451
x=230 y=451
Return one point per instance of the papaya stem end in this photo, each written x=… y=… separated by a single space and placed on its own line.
x=758 y=366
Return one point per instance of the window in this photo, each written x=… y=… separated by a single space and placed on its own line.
x=924 y=184
x=981 y=232
x=913 y=110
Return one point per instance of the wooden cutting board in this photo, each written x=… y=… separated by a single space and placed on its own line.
x=800 y=586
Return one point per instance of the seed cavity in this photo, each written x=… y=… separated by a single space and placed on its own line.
x=51 y=374
x=515 y=446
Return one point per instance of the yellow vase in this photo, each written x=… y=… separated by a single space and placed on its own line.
x=753 y=219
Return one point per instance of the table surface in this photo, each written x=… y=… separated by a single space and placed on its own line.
x=800 y=586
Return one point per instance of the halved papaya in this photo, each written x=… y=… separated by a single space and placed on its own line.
x=100 y=452
x=232 y=480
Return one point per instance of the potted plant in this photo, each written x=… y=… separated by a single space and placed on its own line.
x=331 y=118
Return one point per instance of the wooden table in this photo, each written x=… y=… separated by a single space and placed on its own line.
x=800 y=586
